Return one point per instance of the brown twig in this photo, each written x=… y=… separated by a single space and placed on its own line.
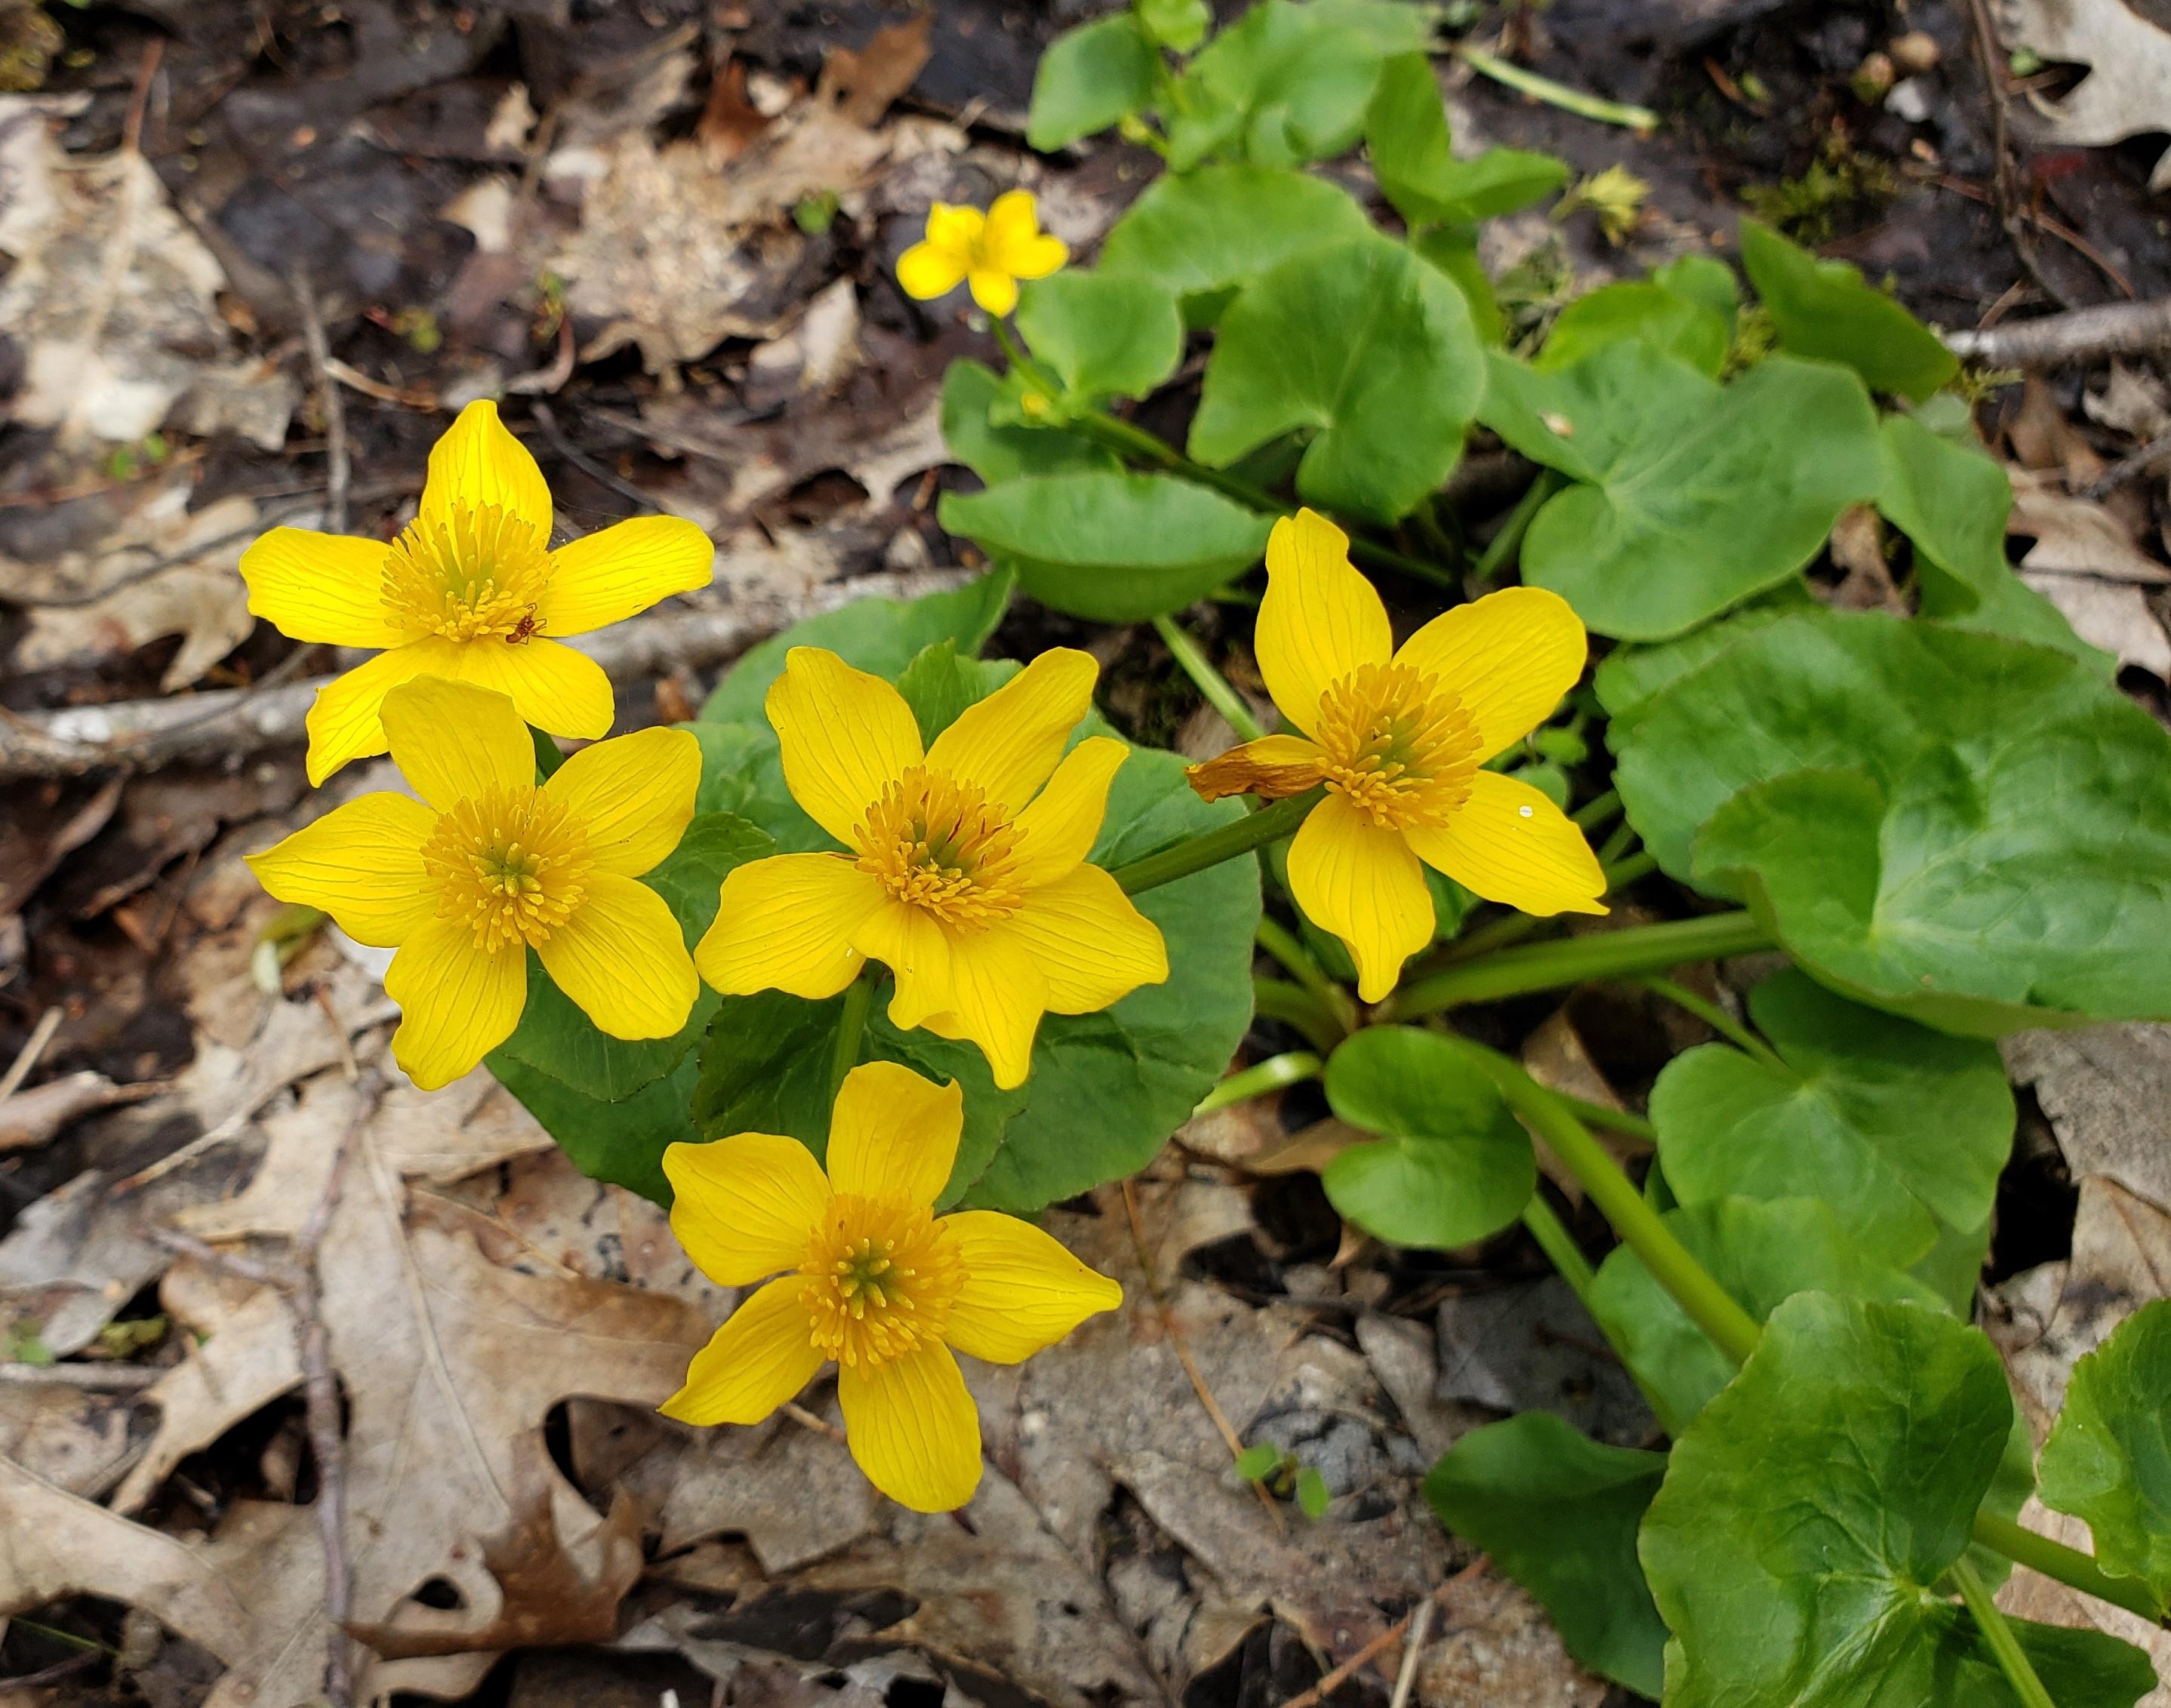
x=1386 y=1640
x=1990 y=63
x=26 y=1058
x=2151 y=456
x=1412 y=1653
x=132 y=130
x=546 y=419
x=2043 y=222
x=338 y=469
x=806 y=1419
x=2080 y=334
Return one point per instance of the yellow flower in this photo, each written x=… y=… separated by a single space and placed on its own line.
x=486 y=865
x=1399 y=738
x=470 y=592
x=877 y=1282
x=989 y=251
x=966 y=876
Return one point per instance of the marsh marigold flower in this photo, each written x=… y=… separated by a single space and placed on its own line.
x=965 y=875
x=1399 y=737
x=490 y=863
x=470 y=592
x=872 y=1278
x=990 y=251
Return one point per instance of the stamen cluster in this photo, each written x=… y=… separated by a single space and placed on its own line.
x=881 y=1280
x=940 y=845
x=1398 y=745
x=468 y=574
x=511 y=863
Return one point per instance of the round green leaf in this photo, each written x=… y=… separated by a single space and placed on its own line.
x=1953 y=826
x=2108 y=1459
x=1631 y=677
x=621 y=1142
x=1558 y=1511
x=1089 y=79
x=1365 y=347
x=1111 y=548
x=1813 y=1506
x=1406 y=129
x=1690 y=496
x=1897 y=1128
x=1823 y=309
x=1702 y=279
x=1453 y=1164
x=999 y=451
x=1103 y=335
x=1678 y=326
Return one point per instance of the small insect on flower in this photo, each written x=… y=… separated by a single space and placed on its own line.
x=872 y=1278
x=990 y=251
x=468 y=591
x=966 y=873
x=490 y=863
x=1399 y=739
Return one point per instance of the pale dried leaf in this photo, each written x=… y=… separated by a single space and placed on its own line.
x=2127 y=91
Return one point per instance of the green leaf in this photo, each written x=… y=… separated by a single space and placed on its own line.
x=621 y=1142
x=1897 y=1128
x=549 y=756
x=1111 y=548
x=1178 y=25
x=1822 y=309
x=1962 y=829
x=878 y=635
x=1089 y=79
x=1676 y=326
x=1813 y=1506
x=942 y=682
x=1201 y=234
x=1558 y=1511
x=1406 y=129
x=1262 y=1460
x=1362 y=345
x=1313 y=1497
x=1761 y=1252
x=1104 y=335
x=1452 y=248
x=1952 y=501
x=1000 y=451
x=2109 y=1457
x=1631 y=677
x=1702 y=279
x=1691 y=496
x=1452 y=1165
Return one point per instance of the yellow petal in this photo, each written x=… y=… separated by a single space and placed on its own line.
x=1274 y=766
x=362 y=864
x=1059 y=828
x=927 y=271
x=786 y=924
x=1363 y=884
x=618 y=572
x=623 y=960
x=916 y=949
x=345 y=722
x=893 y=1135
x=551 y=687
x=954 y=228
x=1009 y=742
x=456 y=742
x=457 y=1003
x=1015 y=243
x=1319 y=619
x=1023 y=1291
x=633 y=794
x=746 y=1206
x=1090 y=941
x=1508 y=657
x=913 y=1428
x=1509 y=844
x=479 y=462
x=998 y=993
x=845 y=736
x=1036 y=258
x=321 y=587
x=996 y=293
x=761 y=1358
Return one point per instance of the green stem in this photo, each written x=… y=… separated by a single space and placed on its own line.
x=1293 y=1005
x=1620 y=874
x=1717 y=1017
x=1638 y=949
x=1544 y=88
x=1625 y=1121
x=2068 y=1566
x=1035 y=375
x=1509 y=540
x=1254 y=830
x=1617 y=843
x=1288 y=947
x=851 y=1024
x=2012 y=1659
x=1275 y=1074
x=1559 y=1246
x=1208 y=681
x=1598 y=810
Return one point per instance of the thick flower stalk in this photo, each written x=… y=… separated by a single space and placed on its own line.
x=965 y=870
x=489 y=865
x=988 y=252
x=470 y=592
x=872 y=1278
x=1400 y=738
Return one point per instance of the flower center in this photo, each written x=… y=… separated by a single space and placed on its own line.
x=1398 y=745
x=938 y=845
x=511 y=863
x=880 y=1280
x=468 y=574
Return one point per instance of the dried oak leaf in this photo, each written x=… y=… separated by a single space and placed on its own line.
x=2128 y=88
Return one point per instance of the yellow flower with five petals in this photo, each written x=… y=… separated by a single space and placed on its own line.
x=1399 y=737
x=877 y=1282
x=967 y=872
x=990 y=251
x=470 y=592
x=488 y=864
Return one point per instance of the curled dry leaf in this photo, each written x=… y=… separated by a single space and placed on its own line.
x=2128 y=88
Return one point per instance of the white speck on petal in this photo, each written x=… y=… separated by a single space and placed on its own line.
x=1525 y=811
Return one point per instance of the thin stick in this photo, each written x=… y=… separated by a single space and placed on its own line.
x=1386 y=1640
x=806 y=1419
x=2147 y=460
x=339 y=470
x=41 y=1034
x=1412 y=1653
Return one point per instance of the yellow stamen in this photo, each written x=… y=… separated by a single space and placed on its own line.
x=468 y=574
x=1399 y=745
x=880 y=1280
x=938 y=845
x=511 y=863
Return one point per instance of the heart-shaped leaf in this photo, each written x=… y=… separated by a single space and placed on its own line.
x=1824 y=310
x=973 y=396
x=1406 y=132
x=1681 y=326
x=2108 y=1456
x=1103 y=335
x=1089 y=79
